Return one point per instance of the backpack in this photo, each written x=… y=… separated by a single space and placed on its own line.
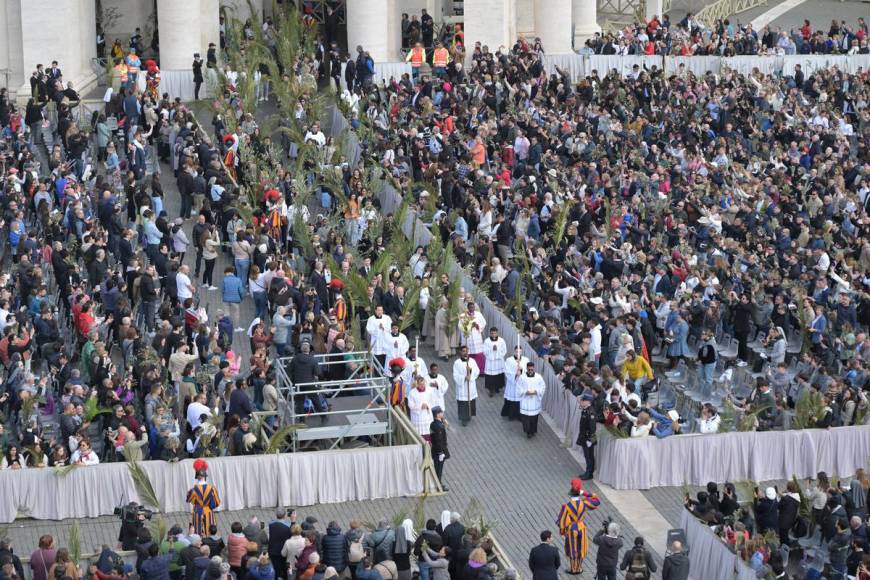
x=638 y=567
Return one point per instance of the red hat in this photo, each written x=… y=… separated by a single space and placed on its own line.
x=336 y=284
x=397 y=362
x=228 y=138
x=200 y=465
x=576 y=485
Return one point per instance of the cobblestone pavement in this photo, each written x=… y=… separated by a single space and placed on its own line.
x=520 y=483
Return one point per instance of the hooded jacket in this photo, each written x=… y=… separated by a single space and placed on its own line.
x=334 y=548
x=676 y=567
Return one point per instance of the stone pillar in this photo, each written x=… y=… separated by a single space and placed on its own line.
x=493 y=23
x=654 y=8
x=4 y=48
x=13 y=42
x=585 y=19
x=553 y=25
x=526 y=18
x=46 y=21
x=180 y=36
x=209 y=25
x=88 y=30
x=374 y=25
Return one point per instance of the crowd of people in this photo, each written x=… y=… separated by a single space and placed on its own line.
x=691 y=37
x=623 y=220
x=627 y=223
x=288 y=547
x=824 y=517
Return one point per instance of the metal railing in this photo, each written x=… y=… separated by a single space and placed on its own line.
x=708 y=15
x=368 y=379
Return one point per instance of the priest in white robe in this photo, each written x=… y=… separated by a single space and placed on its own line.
x=513 y=369
x=420 y=405
x=465 y=373
x=531 y=386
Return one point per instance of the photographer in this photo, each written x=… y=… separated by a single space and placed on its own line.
x=609 y=543
x=133 y=518
x=638 y=563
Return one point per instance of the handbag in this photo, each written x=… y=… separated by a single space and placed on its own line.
x=356 y=552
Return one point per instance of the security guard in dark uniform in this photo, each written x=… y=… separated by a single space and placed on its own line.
x=586 y=437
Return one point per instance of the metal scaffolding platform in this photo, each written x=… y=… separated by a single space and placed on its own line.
x=357 y=409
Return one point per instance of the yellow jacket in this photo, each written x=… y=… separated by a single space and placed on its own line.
x=637 y=368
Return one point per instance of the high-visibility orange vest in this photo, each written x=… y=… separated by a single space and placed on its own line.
x=416 y=57
x=441 y=57
x=122 y=71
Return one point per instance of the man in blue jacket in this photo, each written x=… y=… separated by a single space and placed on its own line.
x=233 y=294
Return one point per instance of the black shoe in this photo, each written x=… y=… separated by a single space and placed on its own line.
x=529 y=435
x=444 y=487
x=585 y=477
x=465 y=423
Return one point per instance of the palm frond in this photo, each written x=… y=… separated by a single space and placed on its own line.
x=808 y=409
x=159 y=527
x=412 y=306
x=806 y=509
x=746 y=487
x=420 y=512
x=727 y=417
x=142 y=483
x=749 y=420
x=28 y=406
x=399 y=517
x=279 y=439
x=616 y=432
x=686 y=490
x=65 y=470
x=93 y=409
x=561 y=222
x=75 y=542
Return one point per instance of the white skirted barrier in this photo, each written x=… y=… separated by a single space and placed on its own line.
x=179 y=83
x=647 y=462
x=243 y=482
x=709 y=557
x=579 y=66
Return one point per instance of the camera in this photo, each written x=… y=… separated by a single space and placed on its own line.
x=606 y=523
x=133 y=513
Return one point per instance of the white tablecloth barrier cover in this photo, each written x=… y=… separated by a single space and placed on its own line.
x=179 y=83
x=697 y=65
x=648 y=462
x=256 y=481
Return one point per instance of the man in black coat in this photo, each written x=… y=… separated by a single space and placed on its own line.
x=197 y=75
x=609 y=543
x=638 y=560
x=304 y=370
x=586 y=436
x=544 y=559
x=676 y=566
x=438 y=435
x=279 y=532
